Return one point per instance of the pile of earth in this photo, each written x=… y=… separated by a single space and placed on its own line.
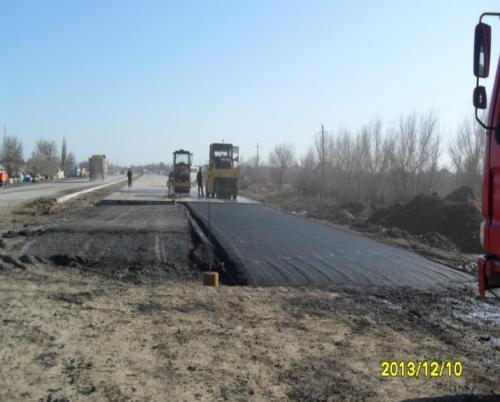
x=40 y=206
x=456 y=216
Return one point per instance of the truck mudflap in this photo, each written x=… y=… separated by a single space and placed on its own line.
x=488 y=274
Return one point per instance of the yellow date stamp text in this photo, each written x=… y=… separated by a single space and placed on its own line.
x=420 y=368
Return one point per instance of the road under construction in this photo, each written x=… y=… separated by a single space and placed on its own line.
x=252 y=244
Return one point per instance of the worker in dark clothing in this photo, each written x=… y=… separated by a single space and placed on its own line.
x=129 y=176
x=199 y=179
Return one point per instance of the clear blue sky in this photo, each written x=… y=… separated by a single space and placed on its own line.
x=138 y=79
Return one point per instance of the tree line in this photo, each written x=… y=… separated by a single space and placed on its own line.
x=45 y=159
x=377 y=164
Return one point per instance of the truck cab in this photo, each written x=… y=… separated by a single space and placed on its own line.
x=489 y=263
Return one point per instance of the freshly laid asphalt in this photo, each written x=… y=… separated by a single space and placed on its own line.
x=278 y=249
x=261 y=246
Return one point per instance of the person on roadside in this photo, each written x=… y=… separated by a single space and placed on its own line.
x=129 y=177
x=199 y=179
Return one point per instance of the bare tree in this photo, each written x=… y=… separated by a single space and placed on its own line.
x=64 y=154
x=11 y=154
x=406 y=146
x=281 y=159
x=417 y=150
x=467 y=154
x=44 y=159
x=428 y=152
x=70 y=162
x=46 y=150
x=382 y=150
x=308 y=179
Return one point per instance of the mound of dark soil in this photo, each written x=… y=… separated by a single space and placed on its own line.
x=353 y=207
x=462 y=194
x=437 y=240
x=381 y=213
x=457 y=217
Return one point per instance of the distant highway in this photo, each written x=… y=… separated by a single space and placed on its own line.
x=278 y=249
x=15 y=194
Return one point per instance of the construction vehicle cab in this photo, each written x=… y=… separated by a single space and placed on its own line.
x=489 y=263
x=223 y=171
x=180 y=180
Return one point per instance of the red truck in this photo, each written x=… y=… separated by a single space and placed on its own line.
x=489 y=263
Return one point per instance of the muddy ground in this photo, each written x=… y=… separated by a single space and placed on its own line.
x=122 y=241
x=104 y=323
x=68 y=335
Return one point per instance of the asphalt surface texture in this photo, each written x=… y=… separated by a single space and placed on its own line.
x=265 y=247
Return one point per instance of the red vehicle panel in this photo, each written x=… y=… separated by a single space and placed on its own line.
x=489 y=264
x=491 y=181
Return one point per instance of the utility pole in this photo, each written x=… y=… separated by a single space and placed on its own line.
x=257 y=165
x=211 y=256
x=322 y=159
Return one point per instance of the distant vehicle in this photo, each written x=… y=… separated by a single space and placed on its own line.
x=98 y=167
x=180 y=180
x=27 y=178
x=75 y=171
x=488 y=264
x=223 y=171
x=4 y=178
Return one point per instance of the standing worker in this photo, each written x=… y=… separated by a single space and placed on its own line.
x=199 y=179
x=129 y=176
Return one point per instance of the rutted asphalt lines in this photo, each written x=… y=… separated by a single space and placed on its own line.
x=270 y=248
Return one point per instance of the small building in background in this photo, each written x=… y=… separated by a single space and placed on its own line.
x=98 y=167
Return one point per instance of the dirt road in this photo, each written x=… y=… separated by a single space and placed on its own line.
x=278 y=249
x=71 y=336
x=106 y=304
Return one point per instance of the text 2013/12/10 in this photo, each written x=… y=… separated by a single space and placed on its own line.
x=421 y=368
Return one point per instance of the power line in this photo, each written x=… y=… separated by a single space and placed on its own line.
x=395 y=108
x=322 y=157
